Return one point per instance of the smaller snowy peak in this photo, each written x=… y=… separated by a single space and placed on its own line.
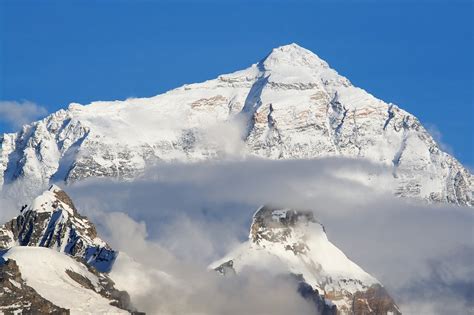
x=288 y=241
x=53 y=221
x=54 y=260
x=52 y=200
x=293 y=55
x=275 y=224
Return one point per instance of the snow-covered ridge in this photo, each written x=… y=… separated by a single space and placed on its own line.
x=52 y=261
x=52 y=221
x=292 y=241
x=62 y=280
x=293 y=104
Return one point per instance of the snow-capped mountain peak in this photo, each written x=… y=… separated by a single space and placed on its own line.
x=53 y=221
x=292 y=241
x=293 y=55
x=52 y=261
x=295 y=107
x=51 y=200
x=300 y=234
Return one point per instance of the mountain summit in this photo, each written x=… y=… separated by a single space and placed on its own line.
x=293 y=55
x=53 y=262
x=283 y=240
x=52 y=221
x=294 y=105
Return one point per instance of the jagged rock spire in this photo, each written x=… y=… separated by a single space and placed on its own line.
x=53 y=221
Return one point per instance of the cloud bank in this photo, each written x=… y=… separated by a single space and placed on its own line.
x=178 y=218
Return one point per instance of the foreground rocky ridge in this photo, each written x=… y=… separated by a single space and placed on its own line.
x=295 y=242
x=52 y=261
x=17 y=297
x=53 y=221
x=290 y=105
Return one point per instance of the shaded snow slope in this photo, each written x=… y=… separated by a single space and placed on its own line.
x=290 y=105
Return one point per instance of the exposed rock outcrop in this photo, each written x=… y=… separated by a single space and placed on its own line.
x=51 y=241
x=16 y=297
x=296 y=240
x=53 y=221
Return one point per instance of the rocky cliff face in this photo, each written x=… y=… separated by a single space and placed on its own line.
x=290 y=105
x=52 y=221
x=293 y=242
x=52 y=261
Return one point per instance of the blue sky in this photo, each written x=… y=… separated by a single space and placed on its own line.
x=418 y=55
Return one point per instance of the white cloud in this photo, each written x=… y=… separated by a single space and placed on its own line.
x=181 y=217
x=226 y=137
x=161 y=283
x=8 y=208
x=16 y=114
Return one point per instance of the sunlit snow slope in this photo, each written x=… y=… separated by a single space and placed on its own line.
x=46 y=271
x=290 y=105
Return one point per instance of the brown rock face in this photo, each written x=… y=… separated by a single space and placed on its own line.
x=62 y=196
x=19 y=298
x=374 y=301
x=312 y=295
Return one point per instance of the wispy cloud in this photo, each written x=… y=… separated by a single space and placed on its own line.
x=16 y=114
x=438 y=137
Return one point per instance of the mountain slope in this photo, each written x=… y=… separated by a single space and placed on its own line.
x=17 y=296
x=291 y=241
x=52 y=221
x=290 y=105
x=52 y=261
x=62 y=280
